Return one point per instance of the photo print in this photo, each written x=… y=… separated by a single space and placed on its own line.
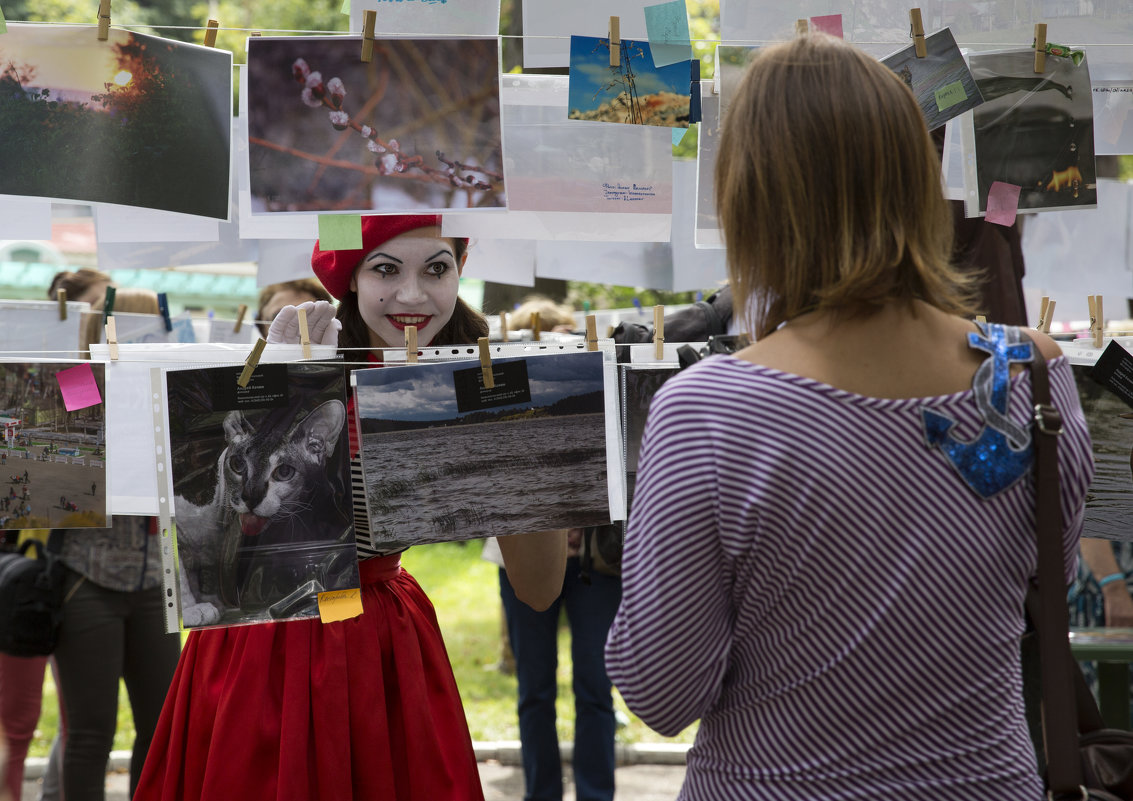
x=261 y=491
x=1035 y=131
x=136 y=120
x=415 y=130
x=445 y=459
x=639 y=385
x=941 y=81
x=634 y=93
x=52 y=458
x=1109 y=499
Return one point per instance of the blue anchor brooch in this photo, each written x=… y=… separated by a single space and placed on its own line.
x=1001 y=454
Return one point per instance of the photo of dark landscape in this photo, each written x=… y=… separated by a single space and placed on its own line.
x=1109 y=500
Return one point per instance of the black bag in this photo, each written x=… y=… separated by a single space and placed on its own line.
x=698 y=323
x=31 y=600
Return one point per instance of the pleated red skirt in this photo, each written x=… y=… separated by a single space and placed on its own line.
x=365 y=708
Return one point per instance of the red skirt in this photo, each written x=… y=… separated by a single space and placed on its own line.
x=365 y=708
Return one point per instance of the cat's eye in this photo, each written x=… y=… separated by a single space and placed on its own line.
x=283 y=472
x=236 y=464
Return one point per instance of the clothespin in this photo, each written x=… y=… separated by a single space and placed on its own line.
x=918 y=32
x=609 y=331
x=591 y=332
x=802 y=27
x=108 y=304
x=103 y=20
x=369 y=20
x=240 y=312
x=163 y=307
x=615 y=41
x=112 y=338
x=1097 y=319
x=1040 y=47
x=210 y=32
x=304 y=334
x=411 y=344
x=255 y=33
x=251 y=362
x=535 y=326
x=1044 y=306
x=61 y=296
x=1049 y=317
x=486 y=363
x=503 y=327
x=658 y=332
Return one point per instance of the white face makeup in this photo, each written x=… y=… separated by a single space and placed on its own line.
x=411 y=279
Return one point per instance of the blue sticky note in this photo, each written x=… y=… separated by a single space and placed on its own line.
x=669 y=40
x=340 y=232
x=678 y=135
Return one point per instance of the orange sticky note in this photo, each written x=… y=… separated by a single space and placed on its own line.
x=78 y=386
x=339 y=605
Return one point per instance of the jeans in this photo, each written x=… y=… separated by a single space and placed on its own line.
x=106 y=636
x=590 y=612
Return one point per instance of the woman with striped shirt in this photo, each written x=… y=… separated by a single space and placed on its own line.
x=833 y=529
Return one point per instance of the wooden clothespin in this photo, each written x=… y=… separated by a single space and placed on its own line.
x=369 y=20
x=503 y=327
x=609 y=331
x=658 y=332
x=615 y=41
x=255 y=33
x=918 y=33
x=1040 y=47
x=1097 y=320
x=211 y=28
x=802 y=27
x=1044 y=306
x=486 y=363
x=591 y=332
x=163 y=307
x=1049 y=318
x=304 y=334
x=251 y=362
x=535 y=326
x=103 y=20
x=112 y=338
x=411 y=344
x=61 y=296
x=240 y=312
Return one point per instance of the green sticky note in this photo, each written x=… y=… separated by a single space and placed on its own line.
x=3 y=24
x=949 y=95
x=340 y=232
x=346 y=7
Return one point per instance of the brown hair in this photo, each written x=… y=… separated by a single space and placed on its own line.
x=464 y=327
x=76 y=282
x=551 y=314
x=311 y=286
x=828 y=190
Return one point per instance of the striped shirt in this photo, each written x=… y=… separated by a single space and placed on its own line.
x=808 y=578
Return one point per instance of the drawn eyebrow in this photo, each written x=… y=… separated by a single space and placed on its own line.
x=386 y=255
x=444 y=252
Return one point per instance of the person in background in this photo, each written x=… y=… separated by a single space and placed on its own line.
x=289 y=293
x=84 y=285
x=1102 y=594
x=552 y=316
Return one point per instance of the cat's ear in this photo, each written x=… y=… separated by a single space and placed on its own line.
x=236 y=426
x=321 y=428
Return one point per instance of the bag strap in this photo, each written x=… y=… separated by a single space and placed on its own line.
x=1052 y=620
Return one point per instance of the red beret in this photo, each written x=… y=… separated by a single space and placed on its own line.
x=336 y=267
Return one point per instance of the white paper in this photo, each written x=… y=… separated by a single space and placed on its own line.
x=641 y=264
x=24 y=218
x=1113 y=123
x=132 y=465
x=693 y=267
x=284 y=260
x=503 y=261
x=568 y=226
x=114 y=223
x=408 y=17
x=549 y=24
x=33 y=327
x=707 y=224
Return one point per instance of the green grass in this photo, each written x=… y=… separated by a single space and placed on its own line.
x=465 y=591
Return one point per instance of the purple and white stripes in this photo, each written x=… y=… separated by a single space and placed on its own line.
x=815 y=584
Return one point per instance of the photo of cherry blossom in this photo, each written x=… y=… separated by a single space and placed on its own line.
x=417 y=129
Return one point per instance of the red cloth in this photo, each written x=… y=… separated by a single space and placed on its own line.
x=366 y=708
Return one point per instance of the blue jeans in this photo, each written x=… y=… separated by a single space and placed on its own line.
x=590 y=611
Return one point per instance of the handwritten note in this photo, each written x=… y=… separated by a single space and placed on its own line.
x=950 y=94
x=831 y=24
x=1002 y=203
x=340 y=232
x=79 y=388
x=339 y=605
x=667 y=26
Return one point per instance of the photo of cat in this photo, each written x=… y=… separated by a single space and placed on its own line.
x=261 y=491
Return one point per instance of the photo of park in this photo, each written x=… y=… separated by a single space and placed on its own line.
x=52 y=461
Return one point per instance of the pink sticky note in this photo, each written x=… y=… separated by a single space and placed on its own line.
x=78 y=387
x=831 y=24
x=1002 y=203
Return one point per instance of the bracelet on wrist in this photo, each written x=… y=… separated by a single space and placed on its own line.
x=1110 y=579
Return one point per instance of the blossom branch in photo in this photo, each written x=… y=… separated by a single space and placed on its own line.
x=390 y=159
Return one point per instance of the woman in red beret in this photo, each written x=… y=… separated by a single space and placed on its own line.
x=365 y=708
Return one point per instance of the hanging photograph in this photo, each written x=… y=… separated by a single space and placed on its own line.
x=417 y=129
x=1035 y=131
x=941 y=80
x=136 y=120
x=639 y=385
x=33 y=326
x=52 y=455
x=1109 y=500
x=261 y=491
x=635 y=92
x=444 y=458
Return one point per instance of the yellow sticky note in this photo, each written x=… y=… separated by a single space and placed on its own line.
x=950 y=95
x=339 y=605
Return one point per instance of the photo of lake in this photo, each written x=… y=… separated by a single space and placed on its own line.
x=440 y=465
x=1109 y=502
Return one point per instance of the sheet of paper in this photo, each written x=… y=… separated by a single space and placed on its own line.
x=828 y=23
x=407 y=17
x=707 y=224
x=131 y=224
x=78 y=387
x=340 y=232
x=33 y=327
x=548 y=25
x=1113 y=125
x=941 y=81
x=284 y=260
x=667 y=27
x=504 y=261
x=567 y=226
x=339 y=604
x=693 y=267
x=24 y=218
